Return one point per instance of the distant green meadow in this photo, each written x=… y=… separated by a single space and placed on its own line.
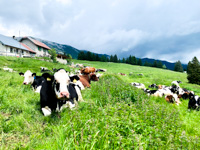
x=114 y=115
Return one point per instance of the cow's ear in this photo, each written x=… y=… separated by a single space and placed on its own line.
x=34 y=74
x=74 y=78
x=48 y=77
x=71 y=78
x=21 y=74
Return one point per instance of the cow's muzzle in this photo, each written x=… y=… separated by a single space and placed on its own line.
x=64 y=94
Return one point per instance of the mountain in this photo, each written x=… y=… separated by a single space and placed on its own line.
x=169 y=65
x=67 y=49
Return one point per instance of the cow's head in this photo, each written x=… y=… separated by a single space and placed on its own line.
x=28 y=77
x=93 y=77
x=61 y=82
x=194 y=102
x=74 y=78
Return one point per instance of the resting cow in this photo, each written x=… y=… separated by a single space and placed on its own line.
x=194 y=101
x=86 y=79
x=57 y=92
x=88 y=70
x=31 y=78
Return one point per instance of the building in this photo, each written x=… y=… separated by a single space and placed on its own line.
x=38 y=47
x=11 y=47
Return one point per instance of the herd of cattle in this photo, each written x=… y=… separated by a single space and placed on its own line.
x=171 y=93
x=63 y=89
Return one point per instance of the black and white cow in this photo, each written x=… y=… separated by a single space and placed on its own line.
x=57 y=92
x=153 y=86
x=31 y=78
x=194 y=101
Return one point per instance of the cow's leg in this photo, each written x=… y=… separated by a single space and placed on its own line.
x=46 y=111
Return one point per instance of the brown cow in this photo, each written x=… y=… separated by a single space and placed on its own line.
x=85 y=79
x=123 y=74
x=88 y=70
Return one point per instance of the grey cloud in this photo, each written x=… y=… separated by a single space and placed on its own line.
x=142 y=28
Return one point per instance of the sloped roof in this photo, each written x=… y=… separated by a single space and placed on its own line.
x=36 y=42
x=9 y=41
x=29 y=49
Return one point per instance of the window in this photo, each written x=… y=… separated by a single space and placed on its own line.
x=11 y=49
x=39 y=48
x=17 y=51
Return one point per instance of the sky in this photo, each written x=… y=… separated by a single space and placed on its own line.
x=160 y=29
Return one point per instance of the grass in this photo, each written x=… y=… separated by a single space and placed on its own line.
x=114 y=115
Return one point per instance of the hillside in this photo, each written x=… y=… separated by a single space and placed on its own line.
x=115 y=115
x=62 y=48
x=169 y=65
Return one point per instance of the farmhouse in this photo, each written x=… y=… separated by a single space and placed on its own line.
x=11 y=47
x=38 y=47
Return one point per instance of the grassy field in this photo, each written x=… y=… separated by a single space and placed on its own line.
x=114 y=115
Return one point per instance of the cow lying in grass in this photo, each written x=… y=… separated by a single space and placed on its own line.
x=31 y=78
x=58 y=92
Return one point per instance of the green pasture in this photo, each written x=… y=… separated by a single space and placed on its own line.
x=114 y=115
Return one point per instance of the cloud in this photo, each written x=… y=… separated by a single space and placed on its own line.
x=145 y=28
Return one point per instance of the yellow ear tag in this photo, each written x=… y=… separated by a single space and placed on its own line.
x=74 y=80
x=48 y=79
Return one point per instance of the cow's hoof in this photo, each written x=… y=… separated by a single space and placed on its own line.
x=46 y=111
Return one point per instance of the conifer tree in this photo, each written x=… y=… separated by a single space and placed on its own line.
x=154 y=64
x=160 y=65
x=115 y=59
x=139 y=62
x=193 y=71
x=178 y=66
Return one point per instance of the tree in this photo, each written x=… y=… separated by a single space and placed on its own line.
x=97 y=58
x=123 y=60
x=193 y=71
x=81 y=56
x=164 y=66
x=155 y=64
x=160 y=65
x=53 y=54
x=139 y=62
x=147 y=63
x=103 y=58
x=111 y=58
x=89 y=56
x=69 y=59
x=115 y=59
x=178 y=67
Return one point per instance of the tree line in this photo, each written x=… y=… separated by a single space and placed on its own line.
x=193 y=67
x=113 y=58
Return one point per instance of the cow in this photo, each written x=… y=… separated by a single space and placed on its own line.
x=86 y=79
x=101 y=70
x=176 y=83
x=8 y=69
x=153 y=86
x=173 y=98
x=123 y=74
x=57 y=92
x=194 y=101
x=138 y=85
x=88 y=70
x=44 y=69
x=31 y=78
x=149 y=92
x=76 y=80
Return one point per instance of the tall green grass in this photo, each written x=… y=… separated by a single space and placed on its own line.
x=114 y=115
